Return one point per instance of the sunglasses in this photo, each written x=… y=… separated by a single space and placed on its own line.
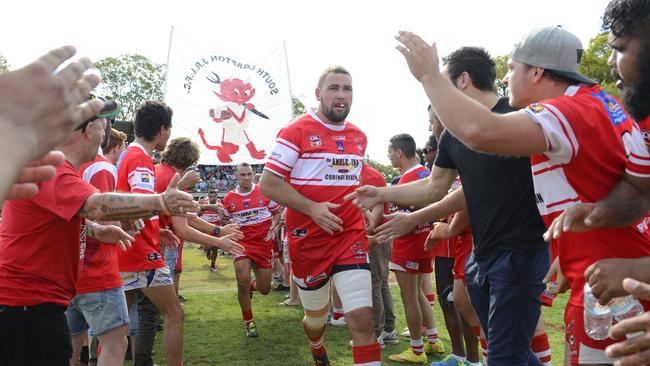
x=426 y=151
x=109 y=115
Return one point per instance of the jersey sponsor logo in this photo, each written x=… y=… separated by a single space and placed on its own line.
x=422 y=174
x=339 y=146
x=155 y=256
x=536 y=108
x=276 y=155
x=338 y=138
x=313 y=279
x=616 y=114
x=314 y=141
x=342 y=165
x=300 y=233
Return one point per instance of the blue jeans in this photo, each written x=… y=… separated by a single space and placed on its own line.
x=504 y=290
x=171 y=256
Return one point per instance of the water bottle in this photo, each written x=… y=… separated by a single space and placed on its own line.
x=626 y=307
x=597 y=318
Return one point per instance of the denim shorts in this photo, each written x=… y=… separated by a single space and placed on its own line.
x=171 y=256
x=103 y=311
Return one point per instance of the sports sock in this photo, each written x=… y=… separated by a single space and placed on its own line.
x=432 y=335
x=484 y=350
x=369 y=355
x=541 y=348
x=417 y=346
x=316 y=344
x=431 y=298
x=337 y=313
x=247 y=315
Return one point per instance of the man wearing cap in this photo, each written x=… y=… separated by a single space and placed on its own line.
x=581 y=143
x=40 y=241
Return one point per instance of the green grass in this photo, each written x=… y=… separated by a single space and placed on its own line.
x=214 y=332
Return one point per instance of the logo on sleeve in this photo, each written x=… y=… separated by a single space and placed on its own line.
x=536 y=108
x=145 y=178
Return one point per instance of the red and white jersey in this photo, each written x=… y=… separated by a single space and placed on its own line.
x=98 y=264
x=136 y=174
x=411 y=246
x=210 y=216
x=252 y=211
x=322 y=162
x=592 y=142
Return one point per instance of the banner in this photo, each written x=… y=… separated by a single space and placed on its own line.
x=231 y=97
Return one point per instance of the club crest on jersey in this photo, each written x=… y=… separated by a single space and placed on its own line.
x=339 y=146
x=537 y=108
x=247 y=204
x=232 y=207
x=260 y=202
x=314 y=141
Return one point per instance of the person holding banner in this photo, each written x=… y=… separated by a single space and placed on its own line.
x=317 y=160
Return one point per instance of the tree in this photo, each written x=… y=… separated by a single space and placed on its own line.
x=501 y=63
x=595 y=66
x=386 y=170
x=298 y=106
x=4 y=65
x=131 y=79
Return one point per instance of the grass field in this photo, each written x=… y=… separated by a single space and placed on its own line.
x=214 y=333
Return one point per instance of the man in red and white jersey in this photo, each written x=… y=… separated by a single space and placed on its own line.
x=581 y=143
x=316 y=161
x=214 y=217
x=411 y=263
x=257 y=217
x=40 y=241
x=100 y=303
x=143 y=266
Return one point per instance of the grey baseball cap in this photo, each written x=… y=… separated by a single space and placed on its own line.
x=552 y=48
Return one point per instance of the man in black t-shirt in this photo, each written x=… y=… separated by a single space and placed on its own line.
x=510 y=255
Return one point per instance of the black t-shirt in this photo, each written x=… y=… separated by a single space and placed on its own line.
x=499 y=195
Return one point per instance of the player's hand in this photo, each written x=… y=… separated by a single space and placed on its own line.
x=578 y=218
x=372 y=242
x=168 y=239
x=606 y=276
x=179 y=203
x=636 y=350
x=270 y=235
x=398 y=225
x=430 y=243
x=39 y=170
x=421 y=57
x=111 y=234
x=323 y=217
x=440 y=231
x=232 y=229
x=229 y=244
x=365 y=197
x=561 y=284
x=189 y=180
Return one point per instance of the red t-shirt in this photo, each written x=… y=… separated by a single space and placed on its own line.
x=39 y=242
x=98 y=265
x=411 y=246
x=323 y=163
x=591 y=144
x=253 y=212
x=136 y=174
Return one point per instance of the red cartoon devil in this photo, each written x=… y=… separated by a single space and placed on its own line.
x=233 y=118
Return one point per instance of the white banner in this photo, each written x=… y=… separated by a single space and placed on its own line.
x=230 y=98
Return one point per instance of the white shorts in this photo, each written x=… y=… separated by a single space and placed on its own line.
x=150 y=278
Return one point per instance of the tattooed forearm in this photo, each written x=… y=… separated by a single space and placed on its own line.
x=118 y=206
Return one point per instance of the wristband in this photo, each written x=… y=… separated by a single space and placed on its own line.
x=216 y=230
x=163 y=206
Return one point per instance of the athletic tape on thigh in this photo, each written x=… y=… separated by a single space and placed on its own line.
x=354 y=288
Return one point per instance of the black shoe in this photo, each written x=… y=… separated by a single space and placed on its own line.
x=281 y=287
x=321 y=361
x=181 y=299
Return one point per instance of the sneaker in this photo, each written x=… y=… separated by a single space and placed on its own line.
x=450 y=361
x=390 y=338
x=181 y=299
x=281 y=287
x=324 y=362
x=251 y=330
x=408 y=356
x=337 y=322
x=213 y=269
x=434 y=348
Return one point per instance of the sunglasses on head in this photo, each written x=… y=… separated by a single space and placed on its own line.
x=109 y=115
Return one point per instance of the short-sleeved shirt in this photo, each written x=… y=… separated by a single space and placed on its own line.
x=135 y=174
x=499 y=194
x=98 y=265
x=40 y=240
x=591 y=143
x=253 y=212
x=411 y=246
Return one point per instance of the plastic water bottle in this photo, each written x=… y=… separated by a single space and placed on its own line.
x=597 y=318
x=626 y=307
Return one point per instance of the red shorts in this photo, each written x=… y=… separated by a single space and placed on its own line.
x=260 y=253
x=583 y=350
x=178 y=267
x=462 y=248
x=312 y=259
x=414 y=266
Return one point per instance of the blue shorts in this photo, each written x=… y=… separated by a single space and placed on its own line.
x=103 y=311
